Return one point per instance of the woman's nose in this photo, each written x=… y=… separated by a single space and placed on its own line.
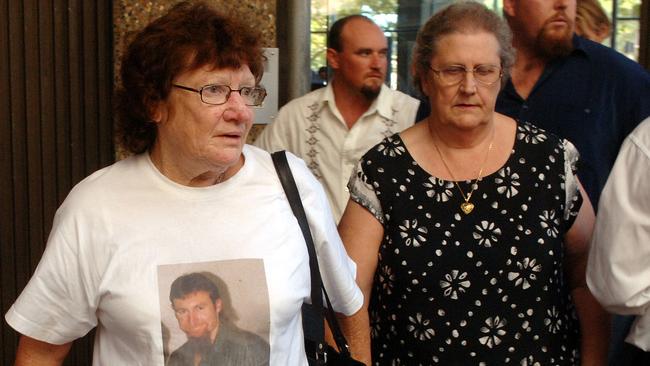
x=236 y=108
x=235 y=97
x=468 y=84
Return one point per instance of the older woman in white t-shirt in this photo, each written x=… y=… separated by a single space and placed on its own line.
x=193 y=198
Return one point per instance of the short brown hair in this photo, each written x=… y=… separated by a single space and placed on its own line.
x=193 y=282
x=188 y=37
x=459 y=18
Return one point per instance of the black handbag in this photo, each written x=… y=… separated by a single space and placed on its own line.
x=318 y=351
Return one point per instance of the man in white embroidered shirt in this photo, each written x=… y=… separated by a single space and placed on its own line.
x=332 y=127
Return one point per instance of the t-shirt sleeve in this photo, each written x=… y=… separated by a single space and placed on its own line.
x=58 y=305
x=362 y=191
x=338 y=271
x=573 y=198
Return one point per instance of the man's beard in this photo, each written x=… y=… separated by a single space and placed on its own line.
x=370 y=92
x=554 y=46
x=200 y=345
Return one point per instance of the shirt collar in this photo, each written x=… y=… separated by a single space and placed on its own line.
x=580 y=49
x=580 y=45
x=382 y=104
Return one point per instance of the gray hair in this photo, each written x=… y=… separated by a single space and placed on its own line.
x=460 y=18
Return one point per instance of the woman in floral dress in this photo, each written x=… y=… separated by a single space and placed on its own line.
x=470 y=230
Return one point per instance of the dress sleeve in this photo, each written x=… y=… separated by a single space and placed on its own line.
x=362 y=191
x=573 y=198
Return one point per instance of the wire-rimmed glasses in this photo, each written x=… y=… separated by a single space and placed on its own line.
x=484 y=74
x=218 y=94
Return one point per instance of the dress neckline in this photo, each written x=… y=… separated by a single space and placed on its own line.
x=513 y=149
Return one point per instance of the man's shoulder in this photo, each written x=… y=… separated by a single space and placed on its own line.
x=400 y=98
x=608 y=59
x=243 y=337
x=398 y=106
x=181 y=356
x=296 y=111
x=242 y=345
x=641 y=134
x=316 y=96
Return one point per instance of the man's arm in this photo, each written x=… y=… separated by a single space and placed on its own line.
x=32 y=352
x=594 y=320
x=618 y=272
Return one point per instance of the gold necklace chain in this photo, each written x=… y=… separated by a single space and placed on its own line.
x=467 y=206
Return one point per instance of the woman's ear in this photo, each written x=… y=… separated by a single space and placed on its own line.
x=425 y=82
x=420 y=84
x=158 y=111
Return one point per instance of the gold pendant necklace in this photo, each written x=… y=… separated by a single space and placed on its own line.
x=467 y=207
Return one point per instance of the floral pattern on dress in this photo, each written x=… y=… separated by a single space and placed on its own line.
x=439 y=189
x=486 y=233
x=412 y=233
x=494 y=331
x=419 y=327
x=486 y=288
x=391 y=147
x=455 y=283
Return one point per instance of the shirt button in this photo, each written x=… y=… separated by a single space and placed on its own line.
x=525 y=106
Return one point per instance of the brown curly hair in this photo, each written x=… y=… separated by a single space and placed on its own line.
x=188 y=37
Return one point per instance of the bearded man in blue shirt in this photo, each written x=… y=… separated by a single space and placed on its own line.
x=577 y=89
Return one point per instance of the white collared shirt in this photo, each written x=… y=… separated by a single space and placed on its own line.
x=312 y=128
x=618 y=272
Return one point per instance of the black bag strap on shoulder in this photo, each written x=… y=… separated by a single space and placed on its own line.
x=317 y=289
x=291 y=191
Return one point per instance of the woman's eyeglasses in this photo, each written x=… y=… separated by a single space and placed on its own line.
x=453 y=75
x=218 y=94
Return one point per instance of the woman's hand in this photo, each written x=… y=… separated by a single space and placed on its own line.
x=32 y=352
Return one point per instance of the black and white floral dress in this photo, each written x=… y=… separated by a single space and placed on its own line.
x=486 y=288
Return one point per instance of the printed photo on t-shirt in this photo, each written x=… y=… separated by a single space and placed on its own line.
x=214 y=313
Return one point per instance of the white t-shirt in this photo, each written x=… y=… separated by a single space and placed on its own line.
x=313 y=128
x=618 y=271
x=126 y=231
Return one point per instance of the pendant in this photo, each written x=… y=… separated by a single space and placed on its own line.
x=467 y=207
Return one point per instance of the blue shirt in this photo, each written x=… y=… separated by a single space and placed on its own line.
x=594 y=98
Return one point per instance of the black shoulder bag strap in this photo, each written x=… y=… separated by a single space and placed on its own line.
x=291 y=191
